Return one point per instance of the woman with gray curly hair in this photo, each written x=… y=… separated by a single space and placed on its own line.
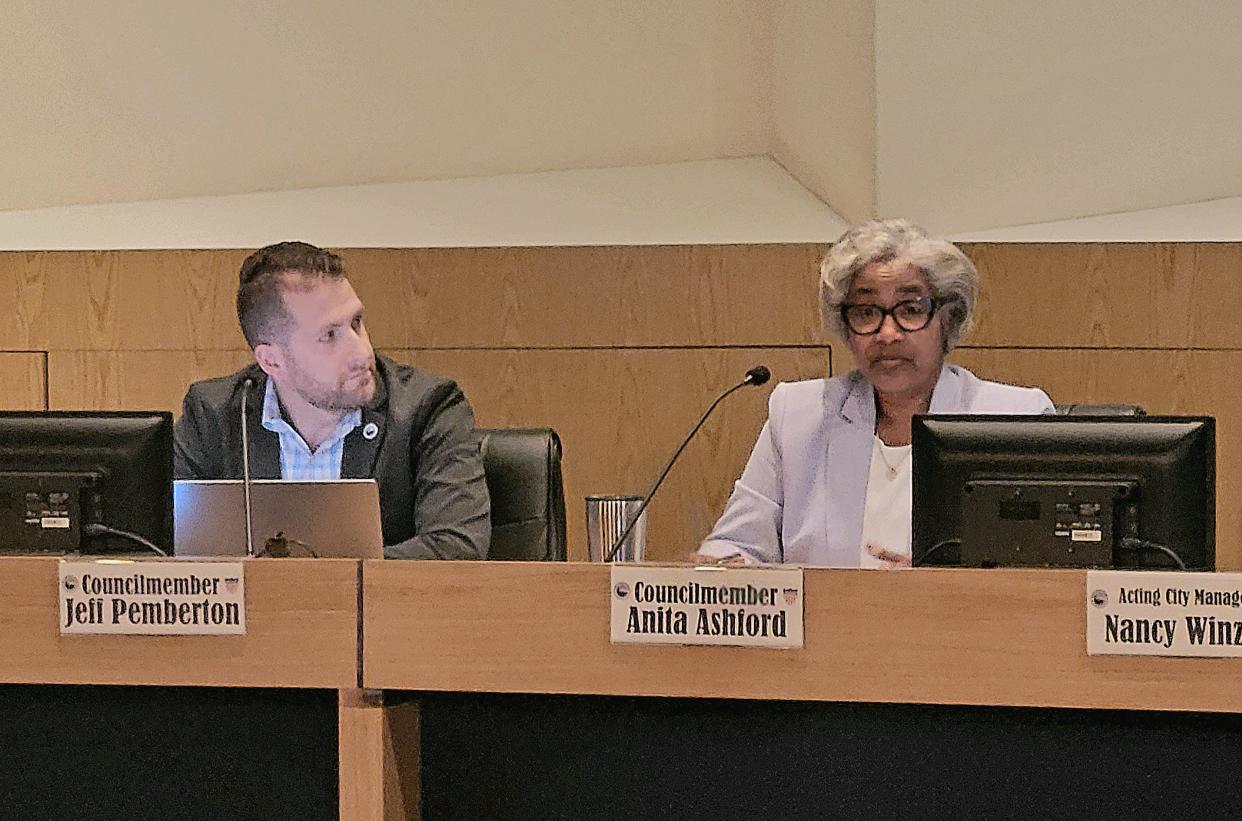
x=829 y=480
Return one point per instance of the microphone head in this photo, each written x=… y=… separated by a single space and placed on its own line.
x=757 y=375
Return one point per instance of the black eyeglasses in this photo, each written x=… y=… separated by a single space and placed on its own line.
x=910 y=315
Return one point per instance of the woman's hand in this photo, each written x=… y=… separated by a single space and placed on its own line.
x=889 y=559
x=731 y=560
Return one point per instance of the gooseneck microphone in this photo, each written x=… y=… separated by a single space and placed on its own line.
x=246 y=386
x=755 y=376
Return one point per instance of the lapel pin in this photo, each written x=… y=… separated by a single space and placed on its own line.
x=370 y=431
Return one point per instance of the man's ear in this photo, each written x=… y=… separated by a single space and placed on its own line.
x=270 y=358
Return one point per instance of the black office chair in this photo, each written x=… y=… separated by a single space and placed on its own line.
x=523 y=469
x=1082 y=409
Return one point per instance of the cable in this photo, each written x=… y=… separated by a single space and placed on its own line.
x=1131 y=543
x=96 y=529
x=923 y=559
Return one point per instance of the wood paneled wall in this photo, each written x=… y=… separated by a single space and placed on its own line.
x=22 y=377
x=620 y=348
x=621 y=413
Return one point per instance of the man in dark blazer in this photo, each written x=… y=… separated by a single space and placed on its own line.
x=322 y=405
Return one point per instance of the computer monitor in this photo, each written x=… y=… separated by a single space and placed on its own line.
x=63 y=474
x=1064 y=491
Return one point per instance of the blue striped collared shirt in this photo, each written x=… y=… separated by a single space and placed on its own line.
x=297 y=463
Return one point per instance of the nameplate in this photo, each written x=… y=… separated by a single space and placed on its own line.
x=152 y=598
x=1146 y=613
x=743 y=607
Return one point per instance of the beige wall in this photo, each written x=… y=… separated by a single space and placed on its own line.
x=823 y=97
x=966 y=116
x=1002 y=112
x=139 y=99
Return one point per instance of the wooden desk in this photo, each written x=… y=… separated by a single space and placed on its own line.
x=292 y=677
x=996 y=639
x=981 y=637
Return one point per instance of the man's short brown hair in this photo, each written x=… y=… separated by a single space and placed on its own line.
x=264 y=275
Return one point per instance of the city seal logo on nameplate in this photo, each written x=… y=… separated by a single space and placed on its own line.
x=744 y=607
x=152 y=598
x=1148 y=613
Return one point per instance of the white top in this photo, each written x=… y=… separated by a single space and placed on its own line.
x=886 y=513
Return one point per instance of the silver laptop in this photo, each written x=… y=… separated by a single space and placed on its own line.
x=339 y=519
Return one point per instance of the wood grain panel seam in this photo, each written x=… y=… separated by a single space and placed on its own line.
x=1095 y=348
x=481 y=349
x=696 y=347
x=1089 y=244
x=699 y=347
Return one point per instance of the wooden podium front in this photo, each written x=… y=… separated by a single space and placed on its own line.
x=301 y=619
x=366 y=690
x=936 y=666
x=927 y=636
x=181 y=726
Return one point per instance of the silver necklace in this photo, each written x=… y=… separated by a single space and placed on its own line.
x=891 y=468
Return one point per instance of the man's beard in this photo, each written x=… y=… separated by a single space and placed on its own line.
x=340 y=397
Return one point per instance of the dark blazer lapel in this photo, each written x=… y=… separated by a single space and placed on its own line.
x=264 y=454
x=361 y=452
x=362 y=445
x=264 y=444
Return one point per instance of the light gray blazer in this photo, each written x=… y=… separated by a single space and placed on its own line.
x=800 y=499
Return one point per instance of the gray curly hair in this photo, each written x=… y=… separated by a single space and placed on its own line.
x=953 y=279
